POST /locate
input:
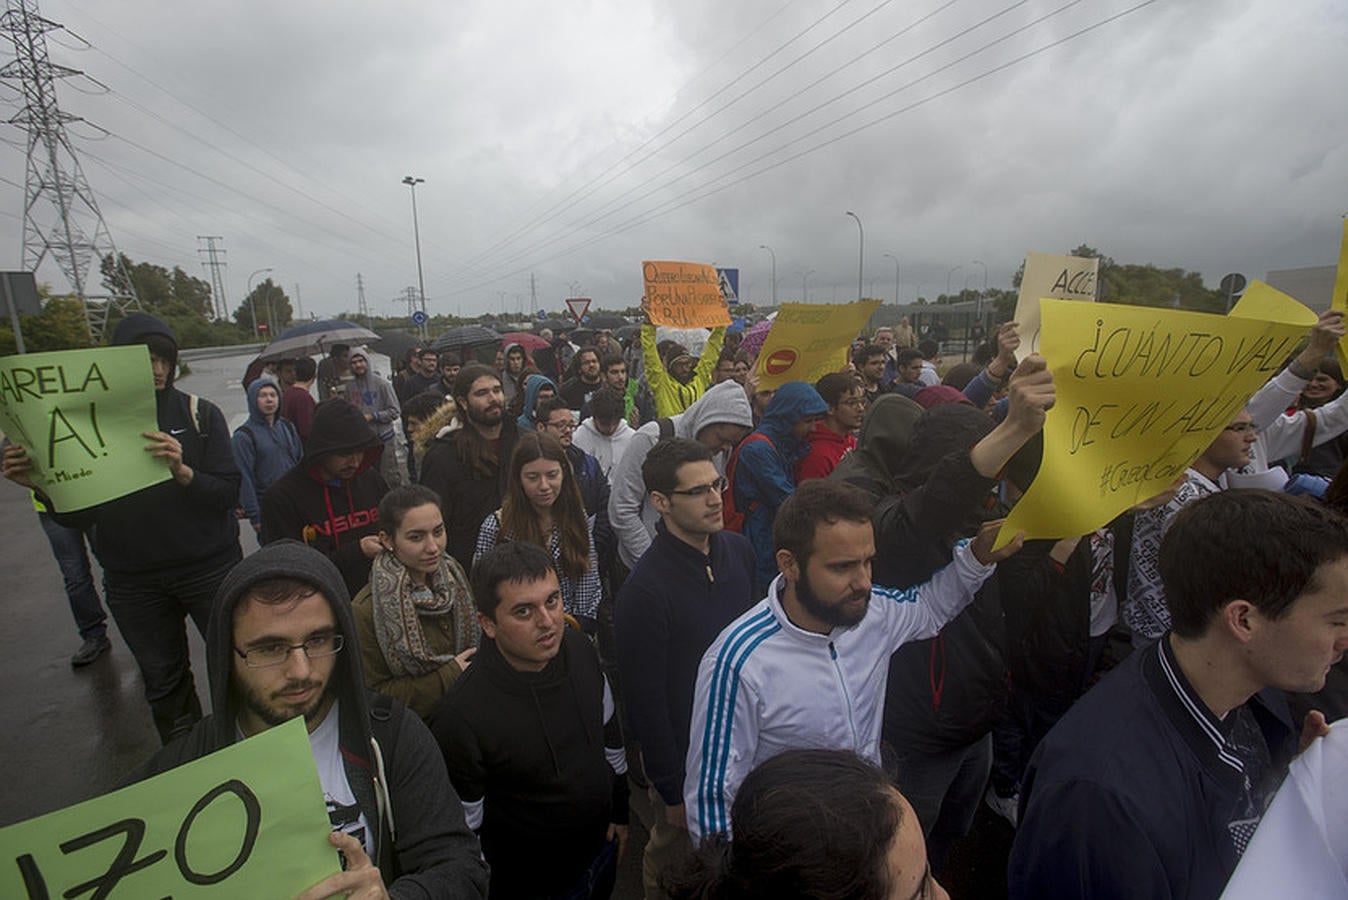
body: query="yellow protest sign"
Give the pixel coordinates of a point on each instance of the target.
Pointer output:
(1051, 275)
(246, 821)
(1340, 298)
(684, 295)
(1141, 392)
(809, 340)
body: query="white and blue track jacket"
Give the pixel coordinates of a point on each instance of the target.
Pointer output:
(765, 686)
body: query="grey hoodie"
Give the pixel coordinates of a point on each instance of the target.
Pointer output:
(632, 517)
(422, 845)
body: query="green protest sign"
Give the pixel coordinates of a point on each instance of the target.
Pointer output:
(246, 821)
(81, 415)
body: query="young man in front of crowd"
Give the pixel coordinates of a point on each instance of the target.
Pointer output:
(834, 436)
(282, 645)
(693, 581)
(531, 738)
(578, 390)
(1154, 782)
(605, 434)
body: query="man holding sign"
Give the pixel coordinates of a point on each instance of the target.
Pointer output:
(282, 645)
(164, 549)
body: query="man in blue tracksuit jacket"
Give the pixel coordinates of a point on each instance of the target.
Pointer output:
(765, 469)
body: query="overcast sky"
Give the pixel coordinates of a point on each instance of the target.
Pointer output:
(573, 140)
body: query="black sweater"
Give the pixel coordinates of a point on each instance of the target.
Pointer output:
(671, 608)
(532, 747)
(467, 496)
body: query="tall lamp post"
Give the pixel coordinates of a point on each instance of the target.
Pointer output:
(979, 262)
(774, 271)
(861, 251)
(252, 307)
(805, 285)
(416, 234)
(947, 278)
(896, 277)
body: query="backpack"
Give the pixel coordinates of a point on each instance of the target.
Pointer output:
(730, 515)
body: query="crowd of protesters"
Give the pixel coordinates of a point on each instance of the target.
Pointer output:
(522, 590)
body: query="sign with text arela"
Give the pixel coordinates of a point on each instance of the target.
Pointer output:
(809, 340)
(246, 821)
(684, 295)
(81, 415)
(1052, 275)
(1141, 392)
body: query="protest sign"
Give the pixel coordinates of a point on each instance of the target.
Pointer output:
(809, 340)
(1051, 275)
(684, 295)
(81, 415)
(1141, 392)
(1340, 298)
(246, 821)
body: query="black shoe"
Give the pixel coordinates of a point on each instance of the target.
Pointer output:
(91, 650)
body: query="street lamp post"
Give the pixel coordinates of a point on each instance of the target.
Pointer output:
(861, 251)
(947, 278)
(416, 234)
(252, 307)
(896, 277)
(805, 285)
(774, 271)
(979, 262)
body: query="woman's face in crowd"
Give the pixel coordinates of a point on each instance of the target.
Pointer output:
(542, 481)
(419, 541)
(1321, 388)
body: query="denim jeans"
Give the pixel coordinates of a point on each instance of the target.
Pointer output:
(945, 789)
(67, 545)
(151, 612)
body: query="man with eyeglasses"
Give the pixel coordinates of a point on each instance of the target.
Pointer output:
(834, 436)
(1145, 609)
(281, 645)
(693, 581)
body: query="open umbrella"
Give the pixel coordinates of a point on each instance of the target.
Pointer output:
(309, 338)
(526, 339)
(466, 336)
(395, 344)
(609, 322)
(756, 335)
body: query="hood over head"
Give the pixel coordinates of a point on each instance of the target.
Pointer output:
(942, 430)
(253, 415)
(285, 559)
(720, 404)
(791, 402)
(886, 434)
(338, 427)
(143, 328)
(532, 385)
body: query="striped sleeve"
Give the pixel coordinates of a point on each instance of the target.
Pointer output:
(920, 612)
(724, 732)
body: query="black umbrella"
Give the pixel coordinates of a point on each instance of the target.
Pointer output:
(466, 336)
(315, 337)
(395, 344)
(609, 322)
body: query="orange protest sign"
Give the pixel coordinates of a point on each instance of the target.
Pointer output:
(684, 295)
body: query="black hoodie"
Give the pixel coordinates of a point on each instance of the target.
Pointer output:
(168, 528)
(532, 747)
(330, 516)
(391, 760)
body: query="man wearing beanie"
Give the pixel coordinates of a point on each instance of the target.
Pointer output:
(330, 501)
(281, 645)
(165, 549)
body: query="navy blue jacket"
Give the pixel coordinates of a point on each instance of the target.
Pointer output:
(1131, 795)
(672, 606)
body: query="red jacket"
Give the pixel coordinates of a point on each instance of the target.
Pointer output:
(827, 447)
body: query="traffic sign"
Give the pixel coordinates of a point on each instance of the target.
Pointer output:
(578, 306)
(730, 284)
(418, 318)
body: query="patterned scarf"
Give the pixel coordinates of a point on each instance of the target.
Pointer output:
(399, 605)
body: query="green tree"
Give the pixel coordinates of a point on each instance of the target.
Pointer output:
(269, 303)
(191, 292)
(60, 326)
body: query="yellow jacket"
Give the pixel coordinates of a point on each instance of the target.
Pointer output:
(671, 395)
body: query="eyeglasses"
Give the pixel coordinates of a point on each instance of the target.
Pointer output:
(267, 655)
(853, 401)
(1242, 428)
(701, 490)
(568, 425)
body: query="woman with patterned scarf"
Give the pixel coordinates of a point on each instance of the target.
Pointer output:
(416, 620)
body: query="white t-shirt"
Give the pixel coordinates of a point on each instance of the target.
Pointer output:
(343, 811)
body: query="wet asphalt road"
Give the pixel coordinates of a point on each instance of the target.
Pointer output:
(72, 734)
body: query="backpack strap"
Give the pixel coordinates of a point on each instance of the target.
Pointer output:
(194, 409)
